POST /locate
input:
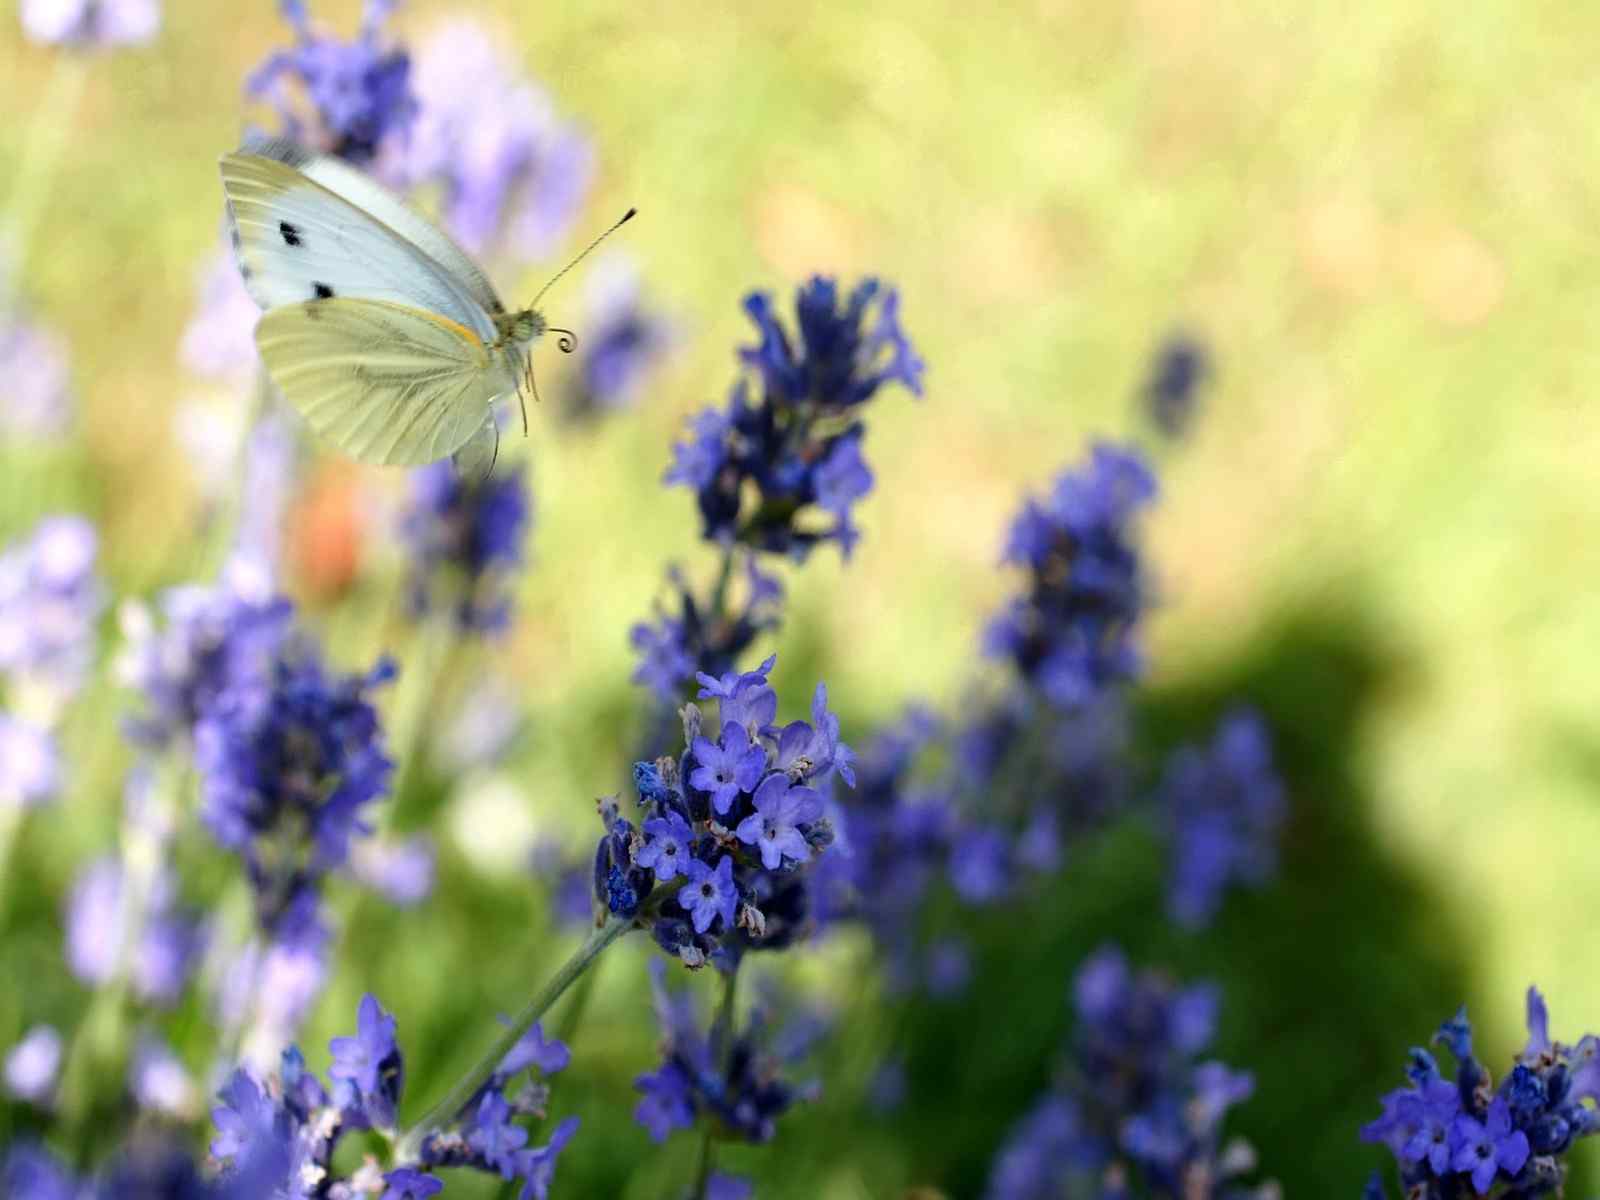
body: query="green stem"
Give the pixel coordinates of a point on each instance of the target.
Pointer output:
(573, 1017)
(721, 1046)
(719, 594)
(10, 827)
(419, 678)
(41, 152)
(444, 1113)
(703, 1164)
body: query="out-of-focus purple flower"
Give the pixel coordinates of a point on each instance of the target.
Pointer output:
(31, 1066)
(730, 1077)
(96, 922)
(36, 395)
(949, 968)
(759, 466)
(410, 1184)
(728, 1187)
(345, 98)
(216, 641)
(401, 871)
(159, 1083)
(1071, 633)
(287, 770)
(1225, 806)
(979, 865)
(269, 984)
(30, 1172)
(1136, 1107)
(465, 539)
(1179, 369)
(91, 23)
(513, 173)
(50, 599)
(622, 342)
(30, 765)
(219, 341)
(697, 637)
(100, 915)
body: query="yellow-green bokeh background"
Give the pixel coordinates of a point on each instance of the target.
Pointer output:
(1379, 216)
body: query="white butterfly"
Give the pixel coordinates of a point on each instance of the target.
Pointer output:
(378, 327)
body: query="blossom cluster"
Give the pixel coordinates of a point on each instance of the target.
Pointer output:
(1510, 1139)
(50, 601)
(764, 462)
(728, 1077)
(1136, 1113)
(766, 465)
(346, 98)
(1225, 806)
(1070, 633)
(278, 1136)
(465, 540)
(728, 828)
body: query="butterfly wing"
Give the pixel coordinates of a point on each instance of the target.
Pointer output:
(297, 239)
(385, 383)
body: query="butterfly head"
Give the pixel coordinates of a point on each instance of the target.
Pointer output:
(520, 328)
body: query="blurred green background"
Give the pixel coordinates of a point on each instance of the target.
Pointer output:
(1379, 218)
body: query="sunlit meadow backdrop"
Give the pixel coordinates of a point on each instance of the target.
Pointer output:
(1378, 222)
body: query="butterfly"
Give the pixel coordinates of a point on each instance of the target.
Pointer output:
(377, 327)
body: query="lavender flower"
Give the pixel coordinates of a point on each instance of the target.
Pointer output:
(370, 1063)
(38, 394)
(30, 1172)
(50, 599)
(158, 1081)
(758, 467)
(704, 635)
(288, 763)
(31, 1065)
(1071, 632)
(1135, 1107)
(401, 871)
(346, 98)
(1225, 806)
(1179, 369)
(739, 815)
(622, 341)
(101, 916)
(465, 540)
(91, 23)
(30, 765)
(219, 343)
(285, 1132)
(727, 1077)
(513, 174)
(1508, 1140)
(217, 642)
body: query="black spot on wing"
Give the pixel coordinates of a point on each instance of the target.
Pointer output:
(291, 235)
(321, 291)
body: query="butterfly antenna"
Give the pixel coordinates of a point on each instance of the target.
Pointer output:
(626, 217)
